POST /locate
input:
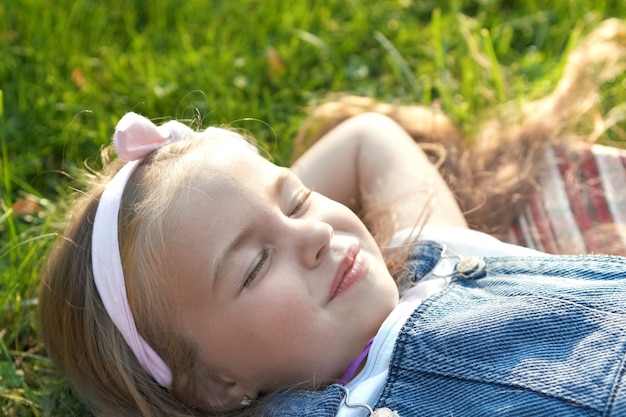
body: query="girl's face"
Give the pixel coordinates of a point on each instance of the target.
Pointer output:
(278, 286)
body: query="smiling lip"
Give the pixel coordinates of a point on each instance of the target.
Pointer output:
(352, 269)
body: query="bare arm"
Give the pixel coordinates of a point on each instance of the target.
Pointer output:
(369, 162)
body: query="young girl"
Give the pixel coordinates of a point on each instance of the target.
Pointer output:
(200, 279)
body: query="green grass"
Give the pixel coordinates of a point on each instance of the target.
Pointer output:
(70, 69)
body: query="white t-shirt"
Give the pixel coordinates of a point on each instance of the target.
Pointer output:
(459, 243)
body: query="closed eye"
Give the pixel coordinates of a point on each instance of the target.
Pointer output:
(257, 268)
(302, 199)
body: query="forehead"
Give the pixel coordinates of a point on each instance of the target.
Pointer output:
(217, 181)
(223, 151)
(222, 161)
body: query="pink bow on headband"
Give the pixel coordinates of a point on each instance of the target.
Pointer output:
(136, 137)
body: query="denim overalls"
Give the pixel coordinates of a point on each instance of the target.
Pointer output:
(520, 336)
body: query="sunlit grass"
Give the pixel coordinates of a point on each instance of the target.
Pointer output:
(70, 69)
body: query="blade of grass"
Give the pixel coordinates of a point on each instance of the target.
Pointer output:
(400, 62)
(442, 77)
(496, 74)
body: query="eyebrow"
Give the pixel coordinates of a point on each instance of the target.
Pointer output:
(245, 233)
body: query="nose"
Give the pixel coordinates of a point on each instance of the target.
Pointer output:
(312, 239)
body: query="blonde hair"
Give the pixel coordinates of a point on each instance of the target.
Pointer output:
(491, 179)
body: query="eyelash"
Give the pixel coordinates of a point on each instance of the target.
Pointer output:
(257, 268)
(302, 198)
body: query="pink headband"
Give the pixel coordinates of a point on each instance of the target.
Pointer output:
(135, 138)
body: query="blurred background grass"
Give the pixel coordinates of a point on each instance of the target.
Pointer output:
(70, 68)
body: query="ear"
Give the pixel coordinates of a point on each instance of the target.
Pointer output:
(230, 393)
(210, 391)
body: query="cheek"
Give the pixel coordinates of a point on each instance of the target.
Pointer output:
(253, 335)
(273, 332)
(275, 306)
(286, 319)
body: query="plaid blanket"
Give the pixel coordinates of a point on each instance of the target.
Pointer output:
(580, 205)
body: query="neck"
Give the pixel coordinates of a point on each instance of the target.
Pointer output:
(356, 365)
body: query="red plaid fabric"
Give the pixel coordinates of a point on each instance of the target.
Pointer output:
(581, 204)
